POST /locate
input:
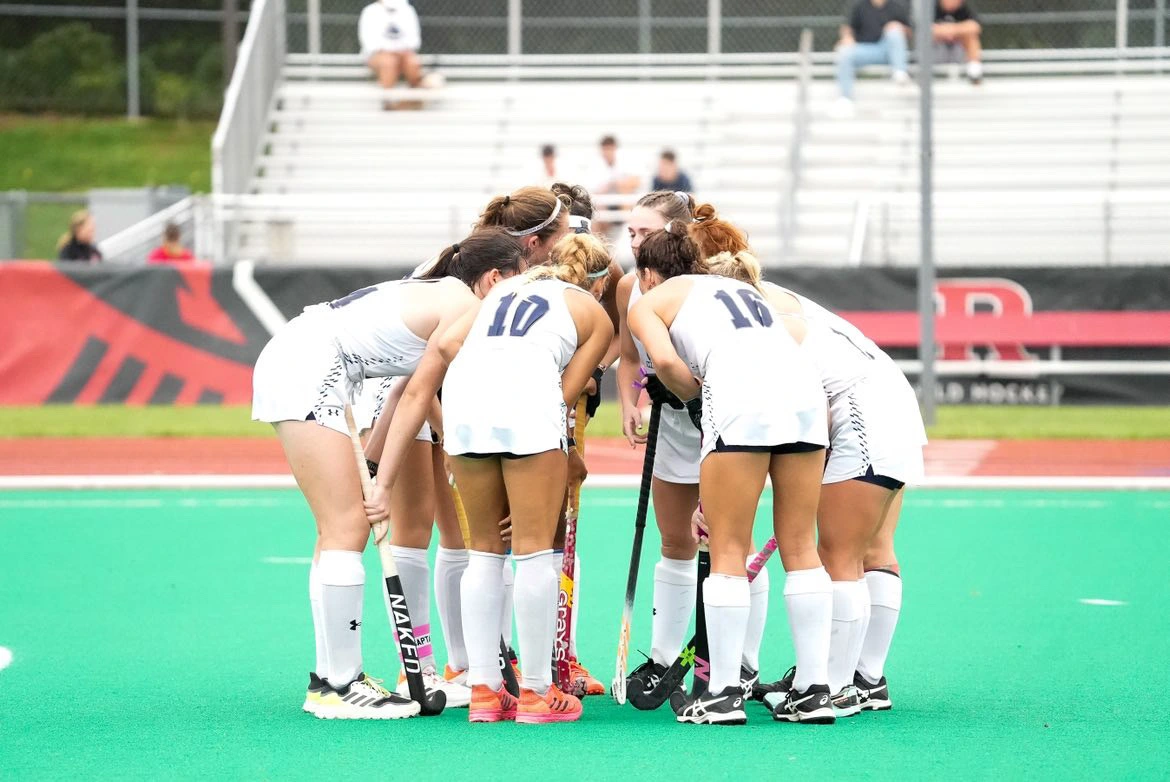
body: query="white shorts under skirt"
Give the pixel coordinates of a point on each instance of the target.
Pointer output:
(876, 429)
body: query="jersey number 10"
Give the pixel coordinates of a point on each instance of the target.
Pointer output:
(528, 311)
(755, 305)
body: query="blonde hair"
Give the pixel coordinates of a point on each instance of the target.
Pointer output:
(578, 259)
(76, 220)
(742, 266)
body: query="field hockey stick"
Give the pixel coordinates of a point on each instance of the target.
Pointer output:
(506, 669)
(677, 671)
(565, 598)
(618, 686)
(430, 703)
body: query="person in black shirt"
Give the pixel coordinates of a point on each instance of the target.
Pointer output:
(956, 26)
(670, 176)
(875, 33)
(78, 244)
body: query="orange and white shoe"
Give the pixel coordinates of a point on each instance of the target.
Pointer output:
(488, 705)
(553, 706)
(578, 672)
(452, 675)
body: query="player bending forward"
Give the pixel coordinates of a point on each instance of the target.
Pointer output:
(760, 418)
(303, 379)
(875, 449)
(516, 365)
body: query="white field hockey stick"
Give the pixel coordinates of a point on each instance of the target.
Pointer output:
(430, 703)
(618, 687)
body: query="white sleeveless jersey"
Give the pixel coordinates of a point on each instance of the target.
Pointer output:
(525, 318)
(368, 328)
(842, 354)
(759, 387)
(635, 294)
(722, 312)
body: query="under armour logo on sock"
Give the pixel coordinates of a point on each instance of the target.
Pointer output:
(354, 624)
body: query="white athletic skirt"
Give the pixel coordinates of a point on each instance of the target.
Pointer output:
(372, 399)
(752, 402)
(498, 401)
(299, 376)
(876, 424)
(676, 458)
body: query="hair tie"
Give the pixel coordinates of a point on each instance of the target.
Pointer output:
(507, 200)
(538, 228)
(681, 196)
(455, 248)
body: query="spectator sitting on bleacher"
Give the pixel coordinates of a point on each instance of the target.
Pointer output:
(78, 244)
(172, 249)
(611, 175)
(670, 176)
(956, 27)
(390, 40)
(548, 166)
(874, 33)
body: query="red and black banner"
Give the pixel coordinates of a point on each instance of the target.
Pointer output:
(163, 335)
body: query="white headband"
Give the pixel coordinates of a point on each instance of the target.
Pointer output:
(538, 228)
(579, 224)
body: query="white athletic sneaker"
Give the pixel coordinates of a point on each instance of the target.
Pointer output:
(363, 699)
(458, 694)
(975, 71)
(900, 77)
(842, 108)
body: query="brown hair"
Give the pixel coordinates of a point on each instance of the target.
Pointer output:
(171, 233)
(670, 252)
(671, 204)
(524, 210)
(575, 258)
(483, 250)
(580, 202)
(714, 235)
(742, 266)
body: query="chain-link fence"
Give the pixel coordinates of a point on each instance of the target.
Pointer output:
(57, 55)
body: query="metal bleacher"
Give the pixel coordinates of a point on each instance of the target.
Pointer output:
(1059, 157)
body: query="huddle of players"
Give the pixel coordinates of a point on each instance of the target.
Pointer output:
(513, 325)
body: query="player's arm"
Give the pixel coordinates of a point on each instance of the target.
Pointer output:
(628, 385)
(594, 334)
(648, 321)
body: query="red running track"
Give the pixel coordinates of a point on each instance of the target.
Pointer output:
(171, 456)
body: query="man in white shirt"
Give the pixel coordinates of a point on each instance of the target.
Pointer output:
(390, 40)
(611, 175)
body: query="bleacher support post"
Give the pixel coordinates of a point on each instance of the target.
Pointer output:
(926, 343)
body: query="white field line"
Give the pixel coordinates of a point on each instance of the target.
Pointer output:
(5, 657)
(1097, 601)
(596, 481)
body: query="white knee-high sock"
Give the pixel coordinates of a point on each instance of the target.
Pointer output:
(675, 583)
(808, 594)
(885, 600)
(728, 602)
(866, 614)
(343, 580)
(536, 616)
(322, 659)
(757, 618)
(558, 568)
(482, 593)
(507, 608)
(415, 574)
(848, 628)
(449, 566)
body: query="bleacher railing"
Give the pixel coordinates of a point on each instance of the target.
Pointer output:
(249, 97)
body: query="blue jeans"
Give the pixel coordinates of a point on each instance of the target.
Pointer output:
(891, 49)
